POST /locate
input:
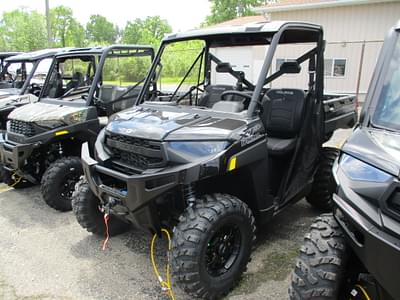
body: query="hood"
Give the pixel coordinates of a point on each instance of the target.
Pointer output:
(184, 124)
(42, 111)
(4, 93)
(17, 100)
(379, 148)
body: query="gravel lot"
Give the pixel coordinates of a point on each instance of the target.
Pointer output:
(46, 255)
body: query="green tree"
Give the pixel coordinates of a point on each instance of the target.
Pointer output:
(223, 10)
(100, 31)
(148, 31)
(65, 28)
(22, 30)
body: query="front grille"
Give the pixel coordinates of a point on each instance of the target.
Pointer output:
(137, 153)
(21, 127)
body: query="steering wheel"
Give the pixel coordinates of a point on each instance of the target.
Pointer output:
(236, 93)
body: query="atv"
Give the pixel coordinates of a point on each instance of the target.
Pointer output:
(354, 253)
(218, 150)
(22, 77)
(83, 88)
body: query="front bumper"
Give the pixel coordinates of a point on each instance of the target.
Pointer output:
(135, 197)
(378, 250)
(14, 156)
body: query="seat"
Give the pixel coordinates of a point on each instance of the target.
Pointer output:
(282, 118)
(212, 94)
(76, 81)
(115, 98)
(56, 87)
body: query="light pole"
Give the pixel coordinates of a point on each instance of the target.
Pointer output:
(48, 22)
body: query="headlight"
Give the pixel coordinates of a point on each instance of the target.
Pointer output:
(357, 170)
(185, 151)
(76, 117)
(50, 123)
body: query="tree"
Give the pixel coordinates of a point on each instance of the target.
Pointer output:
(100, 31)
(65, 28)
(148, 31)
(223, 10)
(22, 30)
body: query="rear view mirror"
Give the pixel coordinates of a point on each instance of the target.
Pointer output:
(224, 67)
(290, 67)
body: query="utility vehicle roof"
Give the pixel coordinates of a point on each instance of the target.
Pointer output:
(251, 31)
(100, 50)
(8, 54)
(35, 55)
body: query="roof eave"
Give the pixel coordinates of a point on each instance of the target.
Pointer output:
(266, 9)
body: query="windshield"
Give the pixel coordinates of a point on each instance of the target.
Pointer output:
(387, 113)
(14, 74)
(70, 75)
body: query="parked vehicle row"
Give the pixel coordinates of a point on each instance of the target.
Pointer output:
(209, 156)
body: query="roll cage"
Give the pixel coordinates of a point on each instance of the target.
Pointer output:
(264, 33)
(99, 56)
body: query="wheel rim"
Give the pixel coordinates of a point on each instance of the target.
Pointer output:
(68, 185)
(223, 250)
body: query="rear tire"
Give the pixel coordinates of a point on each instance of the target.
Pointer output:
(59, 180)
(321, 268)
(324, 184)
(211, 246)
(85, 206)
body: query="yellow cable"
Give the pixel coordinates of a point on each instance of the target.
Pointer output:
(165, 285)
(16, 181)
(363, 291)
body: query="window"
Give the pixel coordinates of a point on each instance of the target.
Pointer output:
(335, 67)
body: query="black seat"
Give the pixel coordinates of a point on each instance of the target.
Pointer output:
(76, 81)
(212, 94)
(282, 117)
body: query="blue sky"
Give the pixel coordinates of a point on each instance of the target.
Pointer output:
(181, 14)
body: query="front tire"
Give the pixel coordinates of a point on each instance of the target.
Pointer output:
(321, 268)
(59, 180)
(86, 207)
(324, 184)
(211, 245)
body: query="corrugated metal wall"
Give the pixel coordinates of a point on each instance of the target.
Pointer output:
(346, 28)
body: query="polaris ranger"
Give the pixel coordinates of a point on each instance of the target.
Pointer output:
(355, 253)
(83, 87)
(224, 146)
(22, 78)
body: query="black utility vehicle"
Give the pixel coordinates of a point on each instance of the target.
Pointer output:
(355, 253)
(217, 150)
(43, 140)
(21, 79)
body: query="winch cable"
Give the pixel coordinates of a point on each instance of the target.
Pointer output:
(166, 285)
(16, 181)
(106, 219)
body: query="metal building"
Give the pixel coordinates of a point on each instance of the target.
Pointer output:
(354, 32)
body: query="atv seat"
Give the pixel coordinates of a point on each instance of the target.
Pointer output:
(108, 94)
(212, 94)
(282, 115)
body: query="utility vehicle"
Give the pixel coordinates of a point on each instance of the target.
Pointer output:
(355, 253)
(83, 87)
(224, 146)
(22, 77)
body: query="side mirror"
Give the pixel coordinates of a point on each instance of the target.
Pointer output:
(224, 67)
(290, 67)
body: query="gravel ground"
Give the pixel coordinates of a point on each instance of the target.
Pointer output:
(46, 255)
